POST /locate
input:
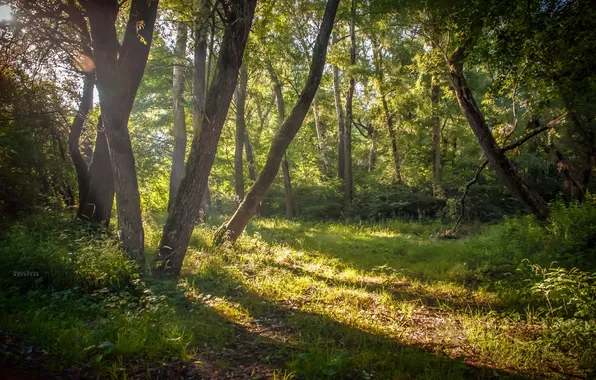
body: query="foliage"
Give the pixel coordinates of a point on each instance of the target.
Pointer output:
(49, 251)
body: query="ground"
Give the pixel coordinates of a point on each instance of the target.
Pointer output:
(301, 300)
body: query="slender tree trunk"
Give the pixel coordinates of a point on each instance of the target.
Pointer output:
(281, 113)
(285, 134)
(341, 160)
(372, 156)
(96, 204)
(179, 153)
(120, 69)
(348, 184)
(320, 138)
(250, 157)
(393, 138)
(240, 132)
(74, 137)
(186, 208)
(200, 77)
(288, 187)
(380, 82)
(436, 134)
(497, 158)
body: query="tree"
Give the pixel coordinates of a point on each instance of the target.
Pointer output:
(341, 124)
(436, 134)
(285, 166)
(348, 182)
(240, 133)
(247, 209)
(120, 69)
(179, 153)
(496, 157)
(186, 207)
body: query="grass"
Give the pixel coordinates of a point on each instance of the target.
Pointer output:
(300, 300)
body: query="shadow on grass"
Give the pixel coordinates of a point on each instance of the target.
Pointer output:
(274, 335)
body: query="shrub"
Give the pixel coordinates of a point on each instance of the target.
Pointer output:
(52, 251)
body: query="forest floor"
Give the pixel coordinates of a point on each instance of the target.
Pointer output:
(296, 300)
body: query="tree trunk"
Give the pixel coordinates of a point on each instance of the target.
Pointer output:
(320, 139)
(436, 134)
(120, 69)
(348, 184)
(250, 157)
(497, 158)
(179, 153)
(281, 114)
(74, 137)
(288, 188)
(240, 132)
(186, 208)
(200, 77)
(285, 134)
(340, 120)
(96, 204)
(200, 61)
(372, 156)
(380, 82)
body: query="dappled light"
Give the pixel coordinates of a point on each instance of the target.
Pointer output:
(297, 190)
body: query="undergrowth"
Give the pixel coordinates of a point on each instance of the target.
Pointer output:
(315, 300)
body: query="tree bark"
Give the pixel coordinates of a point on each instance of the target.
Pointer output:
(497, 158)
(320, 139)
(372, 156)
(179, 153)
(240, 132)
(348, 184)
(340, 119)
(186, 208)
(74, 137)
(289, 196)
(250, 157)
(281, 113)
(285, 134)
(120, 70)
(200, 62)
(96, 204)
(436, 135)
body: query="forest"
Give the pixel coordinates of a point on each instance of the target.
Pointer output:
(297, 189)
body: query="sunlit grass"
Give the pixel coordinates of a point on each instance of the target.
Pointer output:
(308, 300)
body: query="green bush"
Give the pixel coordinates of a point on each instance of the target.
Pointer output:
(46, 250)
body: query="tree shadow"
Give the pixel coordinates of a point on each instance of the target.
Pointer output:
(278, 335)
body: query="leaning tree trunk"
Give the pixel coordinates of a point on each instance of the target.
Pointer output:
(120, 69)
(436, 134)
(240, 132)
(348, 184)
(186, 207)
(281, 114)
(340, 120)
(497, 158)
(320, 138)
(178, 110)
(284, 136)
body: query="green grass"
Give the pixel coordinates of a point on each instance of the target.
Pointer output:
(301, 300)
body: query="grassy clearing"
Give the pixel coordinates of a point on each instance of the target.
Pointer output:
(301, 300)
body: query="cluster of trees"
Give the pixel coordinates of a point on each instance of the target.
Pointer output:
(393, 101)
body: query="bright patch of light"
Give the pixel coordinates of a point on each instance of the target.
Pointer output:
(5, 13)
